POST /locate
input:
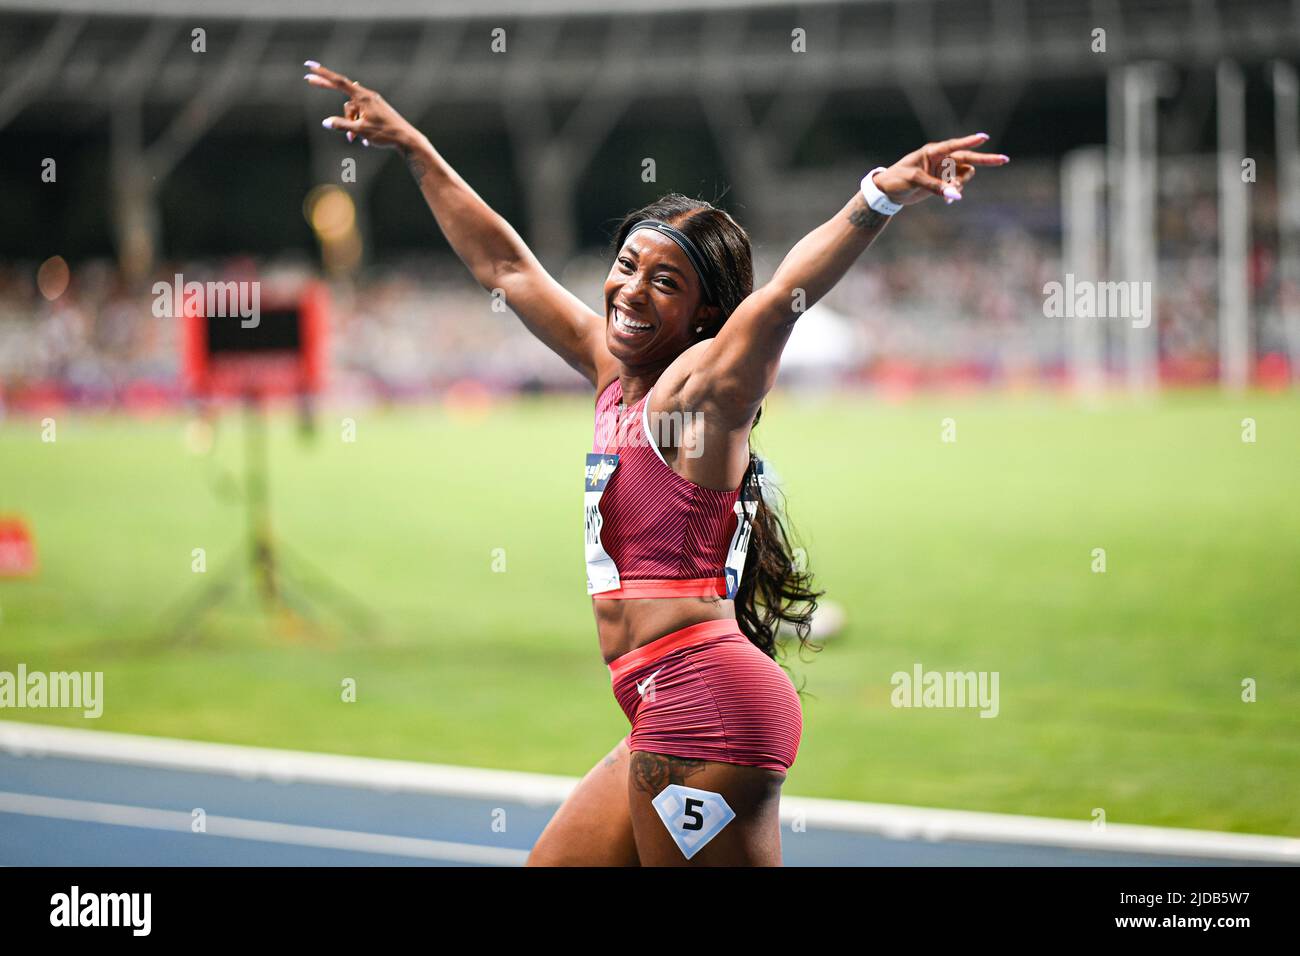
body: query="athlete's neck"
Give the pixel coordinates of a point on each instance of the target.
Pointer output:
(636, 382)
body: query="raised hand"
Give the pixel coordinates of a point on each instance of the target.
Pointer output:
(367, 116)
(939, 169)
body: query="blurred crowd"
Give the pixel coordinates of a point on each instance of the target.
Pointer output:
(924, 306)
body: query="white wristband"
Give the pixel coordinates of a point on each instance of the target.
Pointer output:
(875, 198)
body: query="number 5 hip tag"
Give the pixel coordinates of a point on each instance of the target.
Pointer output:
(693, 817)
(602, 575)
(746, 506)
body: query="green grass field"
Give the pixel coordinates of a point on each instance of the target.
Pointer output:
(1119, 690)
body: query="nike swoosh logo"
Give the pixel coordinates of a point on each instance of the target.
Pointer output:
(642, 685)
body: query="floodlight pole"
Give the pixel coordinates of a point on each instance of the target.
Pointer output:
(1132, 93)
(1235, 346)
(1083, 185)
(1286, 100)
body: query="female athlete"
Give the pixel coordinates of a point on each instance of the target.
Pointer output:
(681, 359)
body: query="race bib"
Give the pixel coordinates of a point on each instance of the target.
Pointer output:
(746, 506)
(602, 575)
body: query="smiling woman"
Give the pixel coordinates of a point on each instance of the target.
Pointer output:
(686, 616)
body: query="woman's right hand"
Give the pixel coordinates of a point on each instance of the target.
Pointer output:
(367, 116)
(939, 169)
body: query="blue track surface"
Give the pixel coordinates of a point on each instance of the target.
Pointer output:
(29, 836)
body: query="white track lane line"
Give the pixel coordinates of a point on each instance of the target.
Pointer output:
(178, 821)
(386, 776)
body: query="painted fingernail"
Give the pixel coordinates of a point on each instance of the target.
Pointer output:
(951, 194)
(349, 136)
(328, 122)
(985, 135)
(365, 142)
(1006, 159)
(311, 63)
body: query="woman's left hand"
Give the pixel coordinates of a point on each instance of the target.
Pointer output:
(939, 169)
(367, 116)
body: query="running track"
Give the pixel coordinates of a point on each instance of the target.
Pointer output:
(84, 798)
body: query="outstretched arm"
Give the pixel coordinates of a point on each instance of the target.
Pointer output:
(741, 365)
(489, 246)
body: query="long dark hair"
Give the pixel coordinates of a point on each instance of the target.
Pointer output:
(776, 587)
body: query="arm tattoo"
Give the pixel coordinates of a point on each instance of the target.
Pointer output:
(652, 772)
(416, 165)
(864, 217)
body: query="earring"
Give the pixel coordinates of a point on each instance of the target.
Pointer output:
(699, 328)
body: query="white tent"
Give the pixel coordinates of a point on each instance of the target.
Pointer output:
(823, 345)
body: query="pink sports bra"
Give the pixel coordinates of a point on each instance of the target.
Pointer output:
(650, 532)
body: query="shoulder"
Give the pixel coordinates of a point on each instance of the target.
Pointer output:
(607, 369)
(604, 392)
(672, 385)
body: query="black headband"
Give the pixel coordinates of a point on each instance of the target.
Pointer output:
(688, 247)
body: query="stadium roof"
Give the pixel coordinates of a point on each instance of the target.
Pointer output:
(389, 9)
